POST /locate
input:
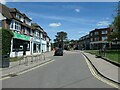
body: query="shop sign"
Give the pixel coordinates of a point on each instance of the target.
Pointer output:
(20, 36)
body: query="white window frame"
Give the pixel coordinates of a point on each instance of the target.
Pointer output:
(104, 38)
(104, 32)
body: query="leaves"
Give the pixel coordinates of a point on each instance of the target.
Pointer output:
(6, 40)
(60, 38)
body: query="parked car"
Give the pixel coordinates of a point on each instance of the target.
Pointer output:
(58, 52)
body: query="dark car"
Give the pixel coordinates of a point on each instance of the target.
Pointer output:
(58, 52)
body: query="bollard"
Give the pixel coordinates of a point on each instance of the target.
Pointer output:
(44, 57)
(20, 62)
(32, 59)
(26, 61)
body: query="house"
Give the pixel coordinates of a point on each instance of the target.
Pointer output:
(99, 38)
(28, 36)
(84, 42)
(38, 33)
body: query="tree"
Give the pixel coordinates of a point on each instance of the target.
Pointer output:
(61, 37)
(116, 25)
(6, 40)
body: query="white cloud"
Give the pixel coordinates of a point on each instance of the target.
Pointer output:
(55, 24)
(3, 1)
(77, 10)
(107, 18)
(68, 19)
(103, 23)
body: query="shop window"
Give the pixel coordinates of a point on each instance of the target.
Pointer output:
(34, 48)
(18, 45)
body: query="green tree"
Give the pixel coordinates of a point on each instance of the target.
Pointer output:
(61, 37)
(6, 40)
(116, 25)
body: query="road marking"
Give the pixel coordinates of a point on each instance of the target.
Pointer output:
(4, 78)
(98, 77)
(29, 69)
(35, 67)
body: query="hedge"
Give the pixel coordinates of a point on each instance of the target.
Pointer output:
(6, 40)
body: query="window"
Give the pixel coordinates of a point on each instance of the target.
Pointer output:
(96, 33)
(104, 32)
(96, 38)
(104, 38)
(31, 32)
(18, 16)
(11, 24)
(27, 21)
(25, 30)
(17, 26)
(18, 45)
(91, 39)
(91, 34)
(0, 23)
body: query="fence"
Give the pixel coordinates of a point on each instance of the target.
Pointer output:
(29, 59)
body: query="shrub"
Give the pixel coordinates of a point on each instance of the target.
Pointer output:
(6, 40)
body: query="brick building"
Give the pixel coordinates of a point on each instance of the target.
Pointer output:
(100, 38)
(26, 37)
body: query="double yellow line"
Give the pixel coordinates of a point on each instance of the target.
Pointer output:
(94, 73)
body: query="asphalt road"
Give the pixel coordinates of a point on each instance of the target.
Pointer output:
(68, 71)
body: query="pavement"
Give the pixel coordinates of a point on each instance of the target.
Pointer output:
(104, 68)
(20, 66)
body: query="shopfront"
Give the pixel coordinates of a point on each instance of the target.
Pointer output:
(20, 45)
(36, 45)
(43, 45)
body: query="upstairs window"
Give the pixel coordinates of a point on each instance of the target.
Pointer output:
(0, 23)
(96, 33)
(91, 34)
(27, 21)
(91, 39)
(18, 16)
(11, 24)
(104, 32)
(96, 38)
(104, 38)
(17, 26)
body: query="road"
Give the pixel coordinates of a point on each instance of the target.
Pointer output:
(68, 71)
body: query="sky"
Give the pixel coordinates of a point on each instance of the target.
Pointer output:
(75, 18)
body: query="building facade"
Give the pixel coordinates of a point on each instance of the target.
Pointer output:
(84, 42)
(99, 38)
(28, 36)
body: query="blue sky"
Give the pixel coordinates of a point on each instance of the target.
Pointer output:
(77, 18)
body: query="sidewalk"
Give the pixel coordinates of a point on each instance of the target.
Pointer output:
(105, 68)
(16, 67)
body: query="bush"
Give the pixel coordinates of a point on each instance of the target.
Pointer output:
(6, 40)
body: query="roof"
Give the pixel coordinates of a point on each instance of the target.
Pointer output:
(36, 26)
(26, 25)
(24, 15)
(100, 29)
(5, 11)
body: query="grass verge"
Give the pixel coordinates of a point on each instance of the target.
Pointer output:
(14, 59)
(112, 55)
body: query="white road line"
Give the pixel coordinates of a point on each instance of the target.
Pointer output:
(35, 67)
(98, 77)
(29, 69)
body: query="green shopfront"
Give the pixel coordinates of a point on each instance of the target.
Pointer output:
(18, 45)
